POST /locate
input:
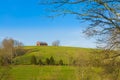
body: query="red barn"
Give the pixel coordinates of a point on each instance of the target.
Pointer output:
(41, 43)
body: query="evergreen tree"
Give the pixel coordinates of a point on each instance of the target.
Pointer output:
(52, 61)
(40, 62)
(47, 61)
(61, 62)
(33, 60)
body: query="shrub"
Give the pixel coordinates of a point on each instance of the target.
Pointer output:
(19, 52)
(61, 62)
(40, 62)
(33, 60)
(47, 61)
(52, 61)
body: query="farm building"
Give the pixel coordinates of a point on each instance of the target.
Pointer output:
(41, 43)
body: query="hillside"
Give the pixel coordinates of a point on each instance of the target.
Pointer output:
(67, 54)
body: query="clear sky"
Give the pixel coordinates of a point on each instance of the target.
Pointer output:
(27, 21)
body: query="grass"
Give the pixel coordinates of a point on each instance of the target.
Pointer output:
(47, 72)
(67, 54)
(32, 72)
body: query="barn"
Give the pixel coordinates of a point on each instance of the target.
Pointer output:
(38, 43)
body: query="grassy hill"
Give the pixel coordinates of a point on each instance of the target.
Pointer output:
(57, 72)
(67, 54)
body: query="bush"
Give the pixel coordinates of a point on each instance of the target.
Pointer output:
(19, 52)
(33, 60)
(61, 62)
(47, 61)
(40, 62)
(52, 61)
(4, 61)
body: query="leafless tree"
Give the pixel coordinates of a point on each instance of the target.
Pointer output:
(9, 50)
(103, 17)
(56, 43)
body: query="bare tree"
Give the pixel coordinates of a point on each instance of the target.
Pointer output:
(103, 17)
(56, 43)
(9, 50)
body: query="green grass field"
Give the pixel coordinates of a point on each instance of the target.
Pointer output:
(33, 72)
(25, 71)
(67, 54)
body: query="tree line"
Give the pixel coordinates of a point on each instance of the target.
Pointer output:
(48, 61)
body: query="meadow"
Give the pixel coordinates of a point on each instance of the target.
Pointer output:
(67, 54)
(22, 69)
(32, 72)
(35, 72)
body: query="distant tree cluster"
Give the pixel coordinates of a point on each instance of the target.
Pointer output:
(56, 43)
(9, 49)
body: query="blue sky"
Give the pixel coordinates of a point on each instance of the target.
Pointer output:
(27, 21)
